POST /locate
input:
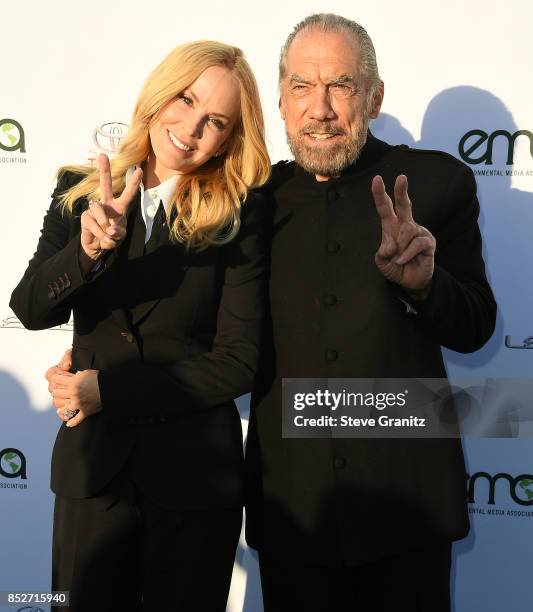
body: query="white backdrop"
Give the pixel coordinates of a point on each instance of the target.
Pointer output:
(68, 67)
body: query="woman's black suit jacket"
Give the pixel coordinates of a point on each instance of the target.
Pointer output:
(175, 336)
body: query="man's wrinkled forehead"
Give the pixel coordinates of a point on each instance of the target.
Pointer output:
(325, 56)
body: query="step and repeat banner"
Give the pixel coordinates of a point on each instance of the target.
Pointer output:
(456, 79)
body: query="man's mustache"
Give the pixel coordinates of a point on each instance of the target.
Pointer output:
(321, 128)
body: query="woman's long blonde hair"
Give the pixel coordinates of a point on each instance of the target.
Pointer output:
(207, 200)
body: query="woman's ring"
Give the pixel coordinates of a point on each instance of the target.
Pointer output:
(68, 414)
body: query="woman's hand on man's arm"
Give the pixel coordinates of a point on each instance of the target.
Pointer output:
(73, 393)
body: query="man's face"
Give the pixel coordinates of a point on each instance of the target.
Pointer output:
(324, 102)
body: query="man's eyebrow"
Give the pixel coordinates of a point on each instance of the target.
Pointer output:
(344, 79)
(296, 78)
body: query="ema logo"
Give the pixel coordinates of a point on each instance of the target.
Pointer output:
(476, 146)
(520, 487)
(12, 463)
(12, 136)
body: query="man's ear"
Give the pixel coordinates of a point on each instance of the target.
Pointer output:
(377, 100)
(281, 106)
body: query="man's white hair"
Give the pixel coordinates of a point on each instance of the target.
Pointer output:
(329, 22)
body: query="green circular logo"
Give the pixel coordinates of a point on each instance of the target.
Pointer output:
(525, 489)
(11, 136)
(12, 463)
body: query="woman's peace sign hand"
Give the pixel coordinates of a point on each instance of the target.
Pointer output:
(103, 224)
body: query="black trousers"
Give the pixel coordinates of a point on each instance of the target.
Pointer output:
(418, 581)
(120, 551)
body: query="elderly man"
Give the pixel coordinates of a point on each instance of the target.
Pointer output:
(360, 286)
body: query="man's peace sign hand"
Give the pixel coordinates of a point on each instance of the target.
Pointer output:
(103, 224)
(406, 253)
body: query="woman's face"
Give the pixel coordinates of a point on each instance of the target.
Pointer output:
(196, 125)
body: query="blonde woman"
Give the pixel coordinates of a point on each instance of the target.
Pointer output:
(160, 257)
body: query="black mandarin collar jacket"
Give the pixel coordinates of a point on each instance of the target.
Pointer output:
(333, 315)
